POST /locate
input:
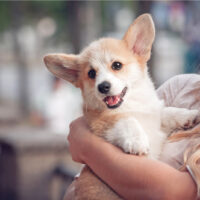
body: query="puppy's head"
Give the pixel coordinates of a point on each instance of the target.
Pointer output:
(108, 68)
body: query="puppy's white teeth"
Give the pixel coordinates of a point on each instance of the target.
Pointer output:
(112, 100)
(115, 101)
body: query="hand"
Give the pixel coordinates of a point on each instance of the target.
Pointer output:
(82, 141)
(79, 137)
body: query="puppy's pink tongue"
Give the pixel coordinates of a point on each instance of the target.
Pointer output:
(112, 100)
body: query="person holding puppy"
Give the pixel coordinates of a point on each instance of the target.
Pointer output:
(113, 74)
(138, 177)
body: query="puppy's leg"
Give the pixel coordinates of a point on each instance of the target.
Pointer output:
(178, 118)
(130, 136)
(89, 187)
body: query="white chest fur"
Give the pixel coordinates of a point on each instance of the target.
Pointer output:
(140, 133)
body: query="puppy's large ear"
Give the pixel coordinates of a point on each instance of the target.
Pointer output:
(63, 66)
(140, 36)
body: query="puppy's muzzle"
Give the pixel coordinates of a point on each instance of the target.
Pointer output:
(104, 87)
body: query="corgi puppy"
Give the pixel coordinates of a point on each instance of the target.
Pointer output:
(120, 102)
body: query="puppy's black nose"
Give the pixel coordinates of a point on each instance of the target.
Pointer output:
(104, 87)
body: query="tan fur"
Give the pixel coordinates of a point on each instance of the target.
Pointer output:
(141, 61)
(119, 48)
(143, 50)
(98, 121)
(56, 63)
(94, 188)
(83, 76)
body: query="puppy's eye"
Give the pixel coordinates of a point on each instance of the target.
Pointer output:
(92, 74)
(116, 65)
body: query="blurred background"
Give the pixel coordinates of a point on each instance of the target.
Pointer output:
(36, 108)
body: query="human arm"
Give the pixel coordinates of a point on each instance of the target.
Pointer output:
(130, 176)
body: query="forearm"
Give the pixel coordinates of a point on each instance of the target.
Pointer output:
(136, 177)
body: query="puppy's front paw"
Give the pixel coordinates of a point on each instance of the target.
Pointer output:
(197, 119)
(193, 120)
(136, 146)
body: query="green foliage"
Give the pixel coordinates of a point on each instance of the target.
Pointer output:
(4, 15)
(30, 11)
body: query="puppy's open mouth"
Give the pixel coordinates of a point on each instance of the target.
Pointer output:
(115, 101)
